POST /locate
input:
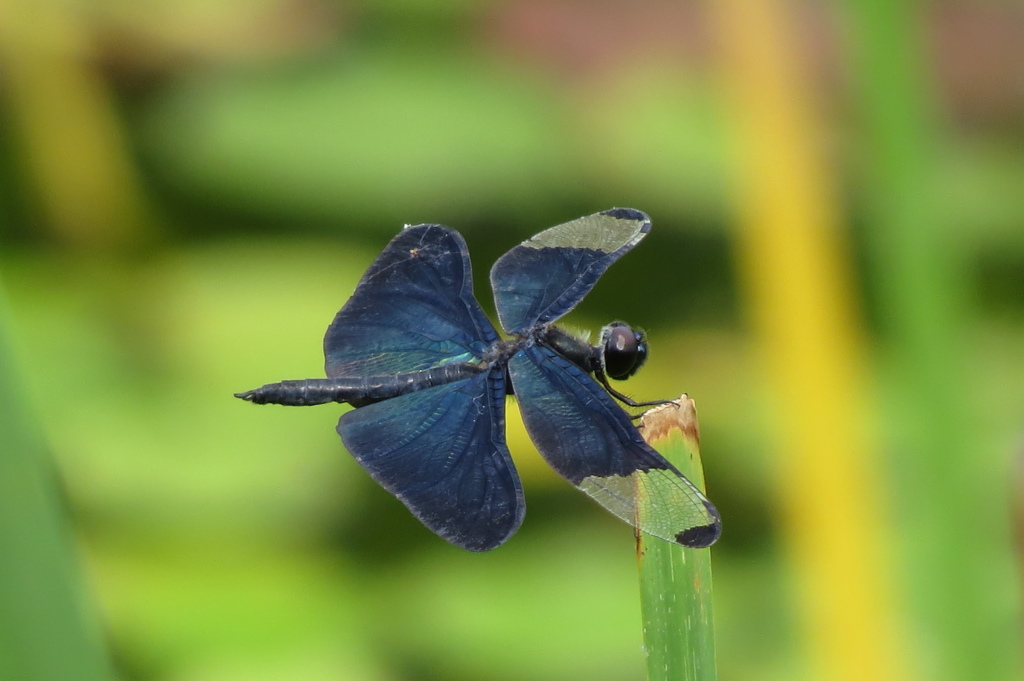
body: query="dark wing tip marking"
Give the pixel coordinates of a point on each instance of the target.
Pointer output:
(629, 214)
(700, 537)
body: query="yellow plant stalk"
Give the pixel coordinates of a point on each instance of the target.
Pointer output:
(68, 132)
(798, 285)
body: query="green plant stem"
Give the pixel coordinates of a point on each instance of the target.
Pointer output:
(675, 581)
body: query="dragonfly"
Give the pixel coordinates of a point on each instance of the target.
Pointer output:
(427, 374)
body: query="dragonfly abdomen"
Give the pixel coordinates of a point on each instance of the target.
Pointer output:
(358, 391)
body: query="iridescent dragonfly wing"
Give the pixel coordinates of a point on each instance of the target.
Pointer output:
(544, 277)
(591, 442)
(442, 452)
(413, 309)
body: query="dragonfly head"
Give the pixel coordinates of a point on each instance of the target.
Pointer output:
(623, 350)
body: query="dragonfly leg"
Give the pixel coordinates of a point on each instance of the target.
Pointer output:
(625, 399)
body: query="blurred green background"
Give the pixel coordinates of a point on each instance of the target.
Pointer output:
(190, 190)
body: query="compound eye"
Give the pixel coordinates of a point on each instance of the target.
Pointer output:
(625, 350)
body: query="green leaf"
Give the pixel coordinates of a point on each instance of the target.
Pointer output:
(45, 632)
(675, 581)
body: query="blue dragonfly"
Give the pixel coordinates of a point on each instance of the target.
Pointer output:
(428, 375)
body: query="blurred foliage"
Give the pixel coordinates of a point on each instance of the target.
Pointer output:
(189, 192)
(365, 139)
(45, 632)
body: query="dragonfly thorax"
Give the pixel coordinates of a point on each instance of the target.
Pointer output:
(619, 353)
